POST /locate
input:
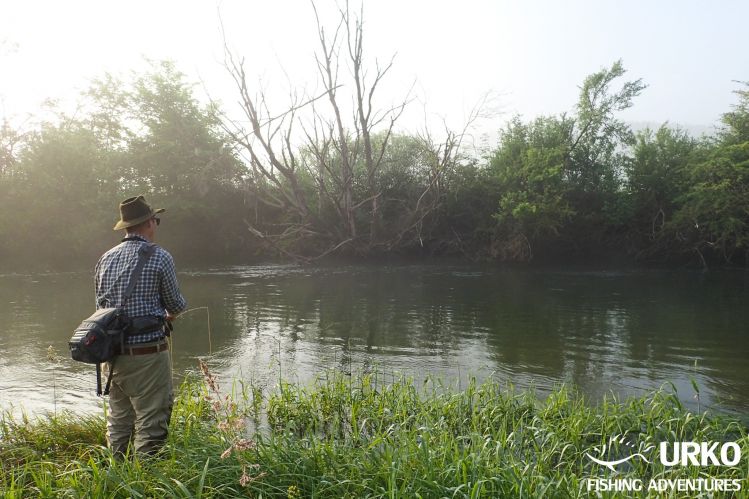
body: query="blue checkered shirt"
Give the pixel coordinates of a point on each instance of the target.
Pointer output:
(156, 293)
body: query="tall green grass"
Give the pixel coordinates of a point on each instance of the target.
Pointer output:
(366, 435)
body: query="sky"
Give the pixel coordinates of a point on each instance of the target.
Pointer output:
(528, 57)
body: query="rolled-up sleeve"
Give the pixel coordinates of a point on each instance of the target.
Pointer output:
(171, 298)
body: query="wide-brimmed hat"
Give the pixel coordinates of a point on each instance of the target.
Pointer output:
(133, 211)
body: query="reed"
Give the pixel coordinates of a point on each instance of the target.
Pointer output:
(366, 435)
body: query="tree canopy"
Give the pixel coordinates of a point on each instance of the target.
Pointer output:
(576, 186)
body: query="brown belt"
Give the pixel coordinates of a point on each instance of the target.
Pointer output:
(136, 350)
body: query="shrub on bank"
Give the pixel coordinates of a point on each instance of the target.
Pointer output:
(366, 435)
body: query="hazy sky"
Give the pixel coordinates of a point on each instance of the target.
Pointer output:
(531, 54)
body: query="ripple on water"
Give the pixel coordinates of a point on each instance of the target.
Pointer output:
(603, 330)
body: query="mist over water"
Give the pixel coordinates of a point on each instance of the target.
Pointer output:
(620, 332)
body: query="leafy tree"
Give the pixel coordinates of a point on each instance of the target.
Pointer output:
(10, 140)
(715, 214)
(148, 136)
(560, 177)
(658, 177)
(465, 226)
(713, 220)
(736, 122)
(595, 159)
(180, 156)
(178, 147)
(61, 194)
(529, 169)
(106, 112)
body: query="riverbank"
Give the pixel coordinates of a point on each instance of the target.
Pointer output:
(367, 435)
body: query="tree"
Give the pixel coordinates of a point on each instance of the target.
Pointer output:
(714, 217)
(715, 213)
(10, 140)
(658, 177)
(560, 177)
(146, 136)
(736, 122)
(317, 186)
(59, 193)
(533, 200)
(595, 159)
(180, 156)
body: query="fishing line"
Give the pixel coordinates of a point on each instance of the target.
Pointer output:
(210, 342)
(208, 314)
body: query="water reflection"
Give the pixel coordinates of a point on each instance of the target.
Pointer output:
(604, 331)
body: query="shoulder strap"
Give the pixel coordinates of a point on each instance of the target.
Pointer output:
(144, 253)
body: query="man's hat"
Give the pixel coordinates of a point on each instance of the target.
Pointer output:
(134, 211)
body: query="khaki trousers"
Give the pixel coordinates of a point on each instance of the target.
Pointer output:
(140, 402)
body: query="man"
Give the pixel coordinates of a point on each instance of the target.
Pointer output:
(141, 396)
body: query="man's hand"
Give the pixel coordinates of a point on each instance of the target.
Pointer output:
(170, 317)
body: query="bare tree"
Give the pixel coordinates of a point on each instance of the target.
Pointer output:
(328, 186)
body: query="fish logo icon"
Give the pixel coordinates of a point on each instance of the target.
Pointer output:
(614, 443)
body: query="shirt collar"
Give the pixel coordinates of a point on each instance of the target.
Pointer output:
(134, 237)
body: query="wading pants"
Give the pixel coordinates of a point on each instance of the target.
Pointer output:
(140, 402)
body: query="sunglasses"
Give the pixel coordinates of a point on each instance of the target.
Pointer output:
(158, 220)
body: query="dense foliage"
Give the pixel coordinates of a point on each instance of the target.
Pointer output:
(60, 183)
(579, 186)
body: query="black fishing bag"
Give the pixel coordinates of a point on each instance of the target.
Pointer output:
(100, 337)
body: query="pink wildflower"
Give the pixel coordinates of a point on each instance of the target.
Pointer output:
(245, 478)
(244, 444)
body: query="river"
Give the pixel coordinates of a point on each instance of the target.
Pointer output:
(622, 332)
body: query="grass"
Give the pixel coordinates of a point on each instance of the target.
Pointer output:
(366, 435)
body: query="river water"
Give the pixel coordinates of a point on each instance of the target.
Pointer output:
(621, 332)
